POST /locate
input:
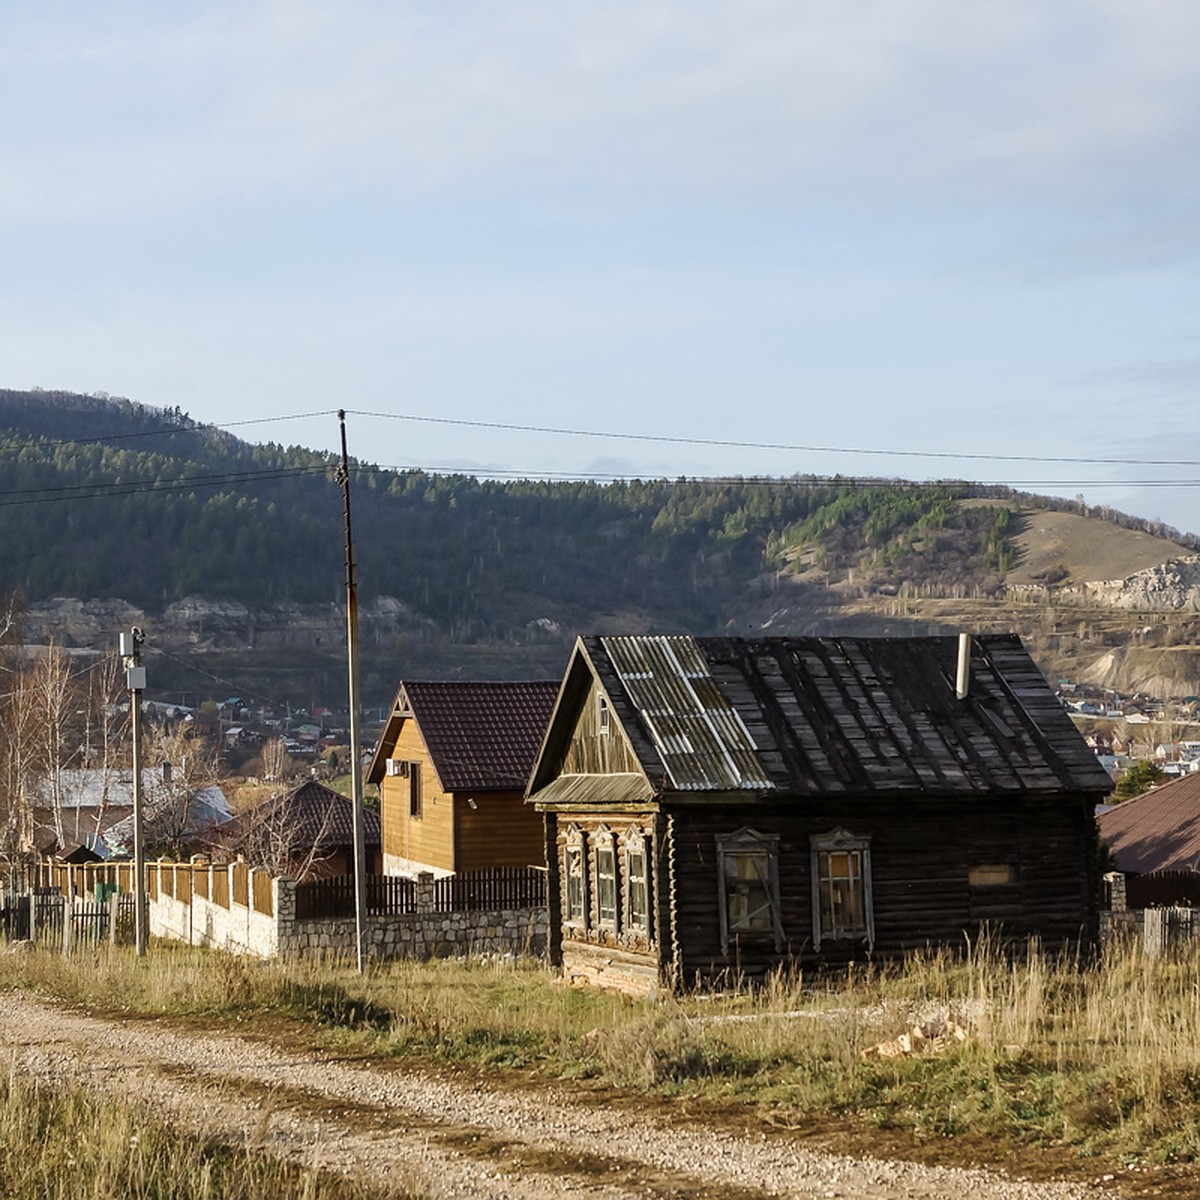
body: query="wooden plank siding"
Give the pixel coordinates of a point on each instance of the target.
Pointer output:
(428, 839)
(500, 831)
(593, 751)
(920, 881)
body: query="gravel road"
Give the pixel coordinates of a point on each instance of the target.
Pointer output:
(429, 1135)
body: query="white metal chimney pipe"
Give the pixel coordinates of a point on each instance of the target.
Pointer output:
(962, 683)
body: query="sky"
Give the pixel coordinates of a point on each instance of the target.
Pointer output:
(921, 239)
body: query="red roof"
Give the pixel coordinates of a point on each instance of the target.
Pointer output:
(1158, 830)
(481, 735)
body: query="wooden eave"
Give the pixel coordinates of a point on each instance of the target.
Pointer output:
(596, 791)
(388, 738)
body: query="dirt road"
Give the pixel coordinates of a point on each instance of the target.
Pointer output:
(430, 1134)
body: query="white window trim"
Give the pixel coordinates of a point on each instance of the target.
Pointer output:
(574, 843)
(602, 840)
(750, 841)
(842, 840)
(636, 842)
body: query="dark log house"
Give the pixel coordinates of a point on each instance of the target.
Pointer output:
(719, 807)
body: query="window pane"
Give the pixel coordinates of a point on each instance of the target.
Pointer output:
(842, 903)
(636, 883)
(414, 789)
(747, 893)
(606, 886)
(574, 874)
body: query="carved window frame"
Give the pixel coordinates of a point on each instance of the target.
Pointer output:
(635, 847)
(748, 888)
(842, 902)
(574, 871)
(606, 889)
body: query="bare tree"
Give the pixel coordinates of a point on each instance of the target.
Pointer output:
(55, 693)
(18, 756)
(181, 765)
(106, 744)
(281, 839)
(276, 762)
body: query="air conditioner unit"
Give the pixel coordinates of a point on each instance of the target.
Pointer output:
(396, 766)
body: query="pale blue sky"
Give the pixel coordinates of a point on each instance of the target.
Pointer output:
(921, 225)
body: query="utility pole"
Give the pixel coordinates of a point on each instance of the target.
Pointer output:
(356, 790)
(135, 678)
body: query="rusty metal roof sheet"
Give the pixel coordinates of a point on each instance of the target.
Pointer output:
(1158, 830)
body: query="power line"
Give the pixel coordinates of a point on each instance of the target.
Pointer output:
(674, 439)
(179, 662)
(663, 439)
(99, 491)
(134, 487)
(166, 430)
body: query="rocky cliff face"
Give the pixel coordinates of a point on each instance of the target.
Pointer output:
(200, 625)
(1172, 586)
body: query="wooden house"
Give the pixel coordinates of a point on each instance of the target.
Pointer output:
(307, 833)
(452, 764)
(722, 806)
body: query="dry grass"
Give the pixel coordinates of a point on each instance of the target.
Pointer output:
(1103, 1057)
(70, 1145)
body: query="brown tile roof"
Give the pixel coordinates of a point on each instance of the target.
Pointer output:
(310, 814)
(480, 735)
(1158, 830)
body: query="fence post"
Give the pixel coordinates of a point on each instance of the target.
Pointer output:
(423, 894)
(68, 906)
(114, 910)
(33, 914)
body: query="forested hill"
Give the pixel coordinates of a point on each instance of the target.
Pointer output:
(107, 498)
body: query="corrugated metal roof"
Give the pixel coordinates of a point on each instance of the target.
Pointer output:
(703, 743)
(1158, 830)
(853, 715)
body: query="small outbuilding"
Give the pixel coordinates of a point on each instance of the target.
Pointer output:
(1153, 840)
(716, 808)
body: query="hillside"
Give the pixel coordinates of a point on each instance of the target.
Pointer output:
(1069, 548)
(231, 554)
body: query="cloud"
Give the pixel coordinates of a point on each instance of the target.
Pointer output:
(883, 102)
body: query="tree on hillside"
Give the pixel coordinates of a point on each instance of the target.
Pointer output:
(1139, 778)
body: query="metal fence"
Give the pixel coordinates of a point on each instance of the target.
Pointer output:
(56, 922)
(490, 890)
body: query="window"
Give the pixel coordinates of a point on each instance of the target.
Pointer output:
(574, 880)
(637, 884)
(992, 875)
(606, 879)
(603, 714)
(748, 875)
(841, 883)
(414, 790)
